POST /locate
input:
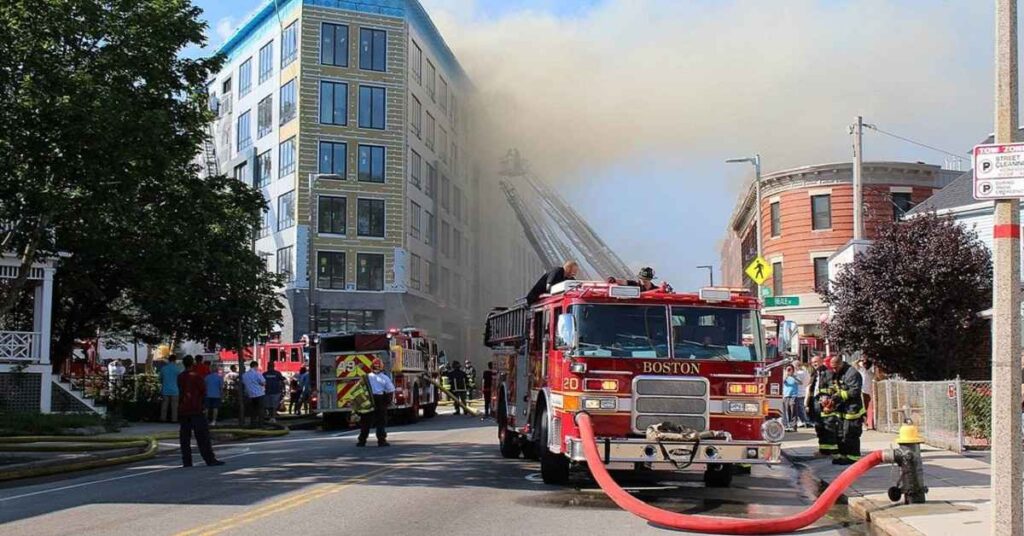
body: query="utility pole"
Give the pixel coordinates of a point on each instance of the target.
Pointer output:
(311, 267)
(1007, 504)
(756, 161)
(858, 180)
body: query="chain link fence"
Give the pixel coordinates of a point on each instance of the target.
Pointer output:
(955, 414)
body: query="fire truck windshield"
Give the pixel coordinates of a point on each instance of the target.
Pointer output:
(621, 330)
(715, 333)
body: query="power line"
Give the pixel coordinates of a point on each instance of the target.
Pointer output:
(915, 142)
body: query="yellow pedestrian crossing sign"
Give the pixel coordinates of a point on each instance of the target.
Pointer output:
(759, 270)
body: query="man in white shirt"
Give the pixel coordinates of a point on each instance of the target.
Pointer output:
(867, 376)
(804, 378)
(381, 388)
(255, 391)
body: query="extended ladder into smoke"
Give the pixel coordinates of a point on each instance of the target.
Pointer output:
(597, 259)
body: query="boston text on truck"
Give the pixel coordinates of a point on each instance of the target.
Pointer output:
(639, 363)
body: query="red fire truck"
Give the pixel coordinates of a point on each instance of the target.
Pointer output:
(409, 354)
(288, 357)
(632, 360)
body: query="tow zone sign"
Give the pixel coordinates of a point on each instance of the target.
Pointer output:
(999, 171)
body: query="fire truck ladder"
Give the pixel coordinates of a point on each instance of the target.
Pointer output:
(548, 246)
(593, 252)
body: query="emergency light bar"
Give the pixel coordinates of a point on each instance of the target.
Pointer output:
(715, 294)
(621, 291)
(568, 284)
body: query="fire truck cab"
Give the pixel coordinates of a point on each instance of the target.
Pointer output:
(631, 360)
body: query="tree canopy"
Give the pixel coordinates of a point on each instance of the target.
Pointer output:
(911, 302)
(102, 120)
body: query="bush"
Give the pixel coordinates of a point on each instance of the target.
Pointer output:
(12, 424)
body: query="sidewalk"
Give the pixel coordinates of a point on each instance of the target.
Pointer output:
(958, 495)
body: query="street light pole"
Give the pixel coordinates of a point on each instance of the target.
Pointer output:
(1007, 507)
(711, 274)
(756, 162)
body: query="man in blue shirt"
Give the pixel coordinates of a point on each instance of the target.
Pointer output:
(381, 387)
(304, 390)
(169, 389)
(214, 386)
(275, 390)
(790, 394)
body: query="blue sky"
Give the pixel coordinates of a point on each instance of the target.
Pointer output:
(630, 107)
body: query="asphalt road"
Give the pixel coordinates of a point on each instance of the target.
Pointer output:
(441, 476)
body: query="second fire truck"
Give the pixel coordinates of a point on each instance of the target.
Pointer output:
(632, 360)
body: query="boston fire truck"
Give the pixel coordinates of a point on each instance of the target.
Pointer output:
(689, 362)
(343, 360)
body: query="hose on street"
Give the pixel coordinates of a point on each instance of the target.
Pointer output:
(454, 398)
(712, 524)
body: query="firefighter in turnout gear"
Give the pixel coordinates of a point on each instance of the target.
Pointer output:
(819, 407)
(847, 401)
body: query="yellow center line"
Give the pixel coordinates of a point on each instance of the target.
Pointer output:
(282, 505)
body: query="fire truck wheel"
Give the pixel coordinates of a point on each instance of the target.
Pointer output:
(508, 441)
(718, 475)
(413, 413)
(554, 467)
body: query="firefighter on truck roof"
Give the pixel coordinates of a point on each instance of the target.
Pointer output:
(645, 280)
(847, 402)
(551, 278)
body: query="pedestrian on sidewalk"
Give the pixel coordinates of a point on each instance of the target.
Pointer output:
(847, 403)
(790, 390)
(255, 391)
(381, 389)
(214, 392)
(819, 406)
(294, 394)
(867, 375)
(169, 389)
(457, 379)
(488, 388)
(190, 411)
(275, 390)
(804, 377)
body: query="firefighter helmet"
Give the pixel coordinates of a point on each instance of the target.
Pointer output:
(376, 363)
(646, 273)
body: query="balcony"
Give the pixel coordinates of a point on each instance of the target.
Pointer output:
(20, 346)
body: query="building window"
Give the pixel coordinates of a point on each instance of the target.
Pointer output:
(333, 103)
(266, 61)
(431, 181)
(428, 131)
(445, 192)
(777, 278)
(820, 274)
(373, 49)
(245, 78)
(414, 271)
(262, 177)
(415, 167)
(264, 229)
(333, 158)
(415, 214)
(776, 220)
(286, 158)
(287, 111)
(431, 237)
(428, 79)
(369, 271)
(457, 202)
(371, 163)
(334, 44)
(331, 215)
(289, 44)
(286, 210)
(330, 270)
(821, 212)
(416, 115)
(264, 117)
(416, 61)
(457, 245)
(371, 107)
(226, 87)
(239, 173)
(445, 238)
(284, 263)
(244, 132)
(901, 203)
(442, 94)
(349, 320)
(370, 218)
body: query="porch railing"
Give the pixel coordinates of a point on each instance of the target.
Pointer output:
(20, 345)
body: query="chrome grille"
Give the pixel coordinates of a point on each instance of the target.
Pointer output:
(681, 400)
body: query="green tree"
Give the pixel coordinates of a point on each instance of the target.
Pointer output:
(102, 120)
(911, 302)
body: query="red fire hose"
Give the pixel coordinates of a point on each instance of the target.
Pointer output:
(709, 524)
